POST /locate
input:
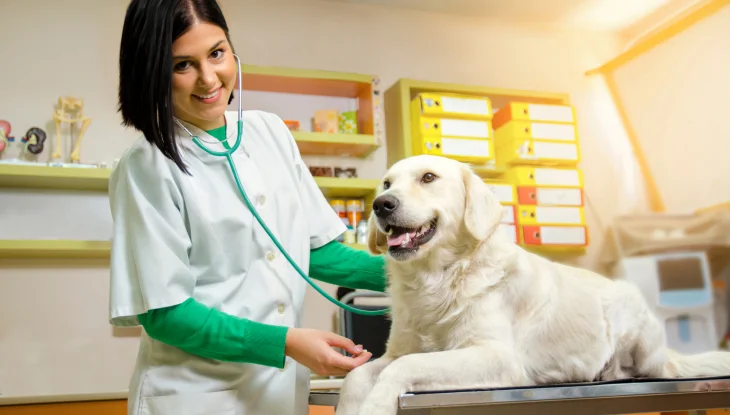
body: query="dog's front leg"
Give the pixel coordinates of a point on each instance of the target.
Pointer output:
(358, 384)
(485, 366)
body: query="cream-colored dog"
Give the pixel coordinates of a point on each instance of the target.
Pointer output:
(472, 309)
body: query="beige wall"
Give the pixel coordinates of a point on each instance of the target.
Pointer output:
(53, 315)
(678, 100)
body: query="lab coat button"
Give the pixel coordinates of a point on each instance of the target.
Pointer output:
(281, 308)
(270, 256)
(262, 200)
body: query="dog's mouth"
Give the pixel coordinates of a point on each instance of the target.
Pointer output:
(409, 239)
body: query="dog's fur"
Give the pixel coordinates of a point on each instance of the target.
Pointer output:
(472, 309)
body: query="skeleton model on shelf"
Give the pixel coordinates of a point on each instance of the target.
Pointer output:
(70, 110)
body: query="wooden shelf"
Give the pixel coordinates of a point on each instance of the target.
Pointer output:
(348, 188)
(54, 249)
(47, 177)
(355, 145)
(360, 87)
(306, 81)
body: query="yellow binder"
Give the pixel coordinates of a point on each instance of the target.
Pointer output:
(554, 236)
(536, 131)
(544, 176)
(506, 193)
(446, 105)
(451, 127)
(550, 215)
(537, 152)
(526, 111)
(464, 140)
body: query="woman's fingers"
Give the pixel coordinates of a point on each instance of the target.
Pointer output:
(349, 363)
(345, 343)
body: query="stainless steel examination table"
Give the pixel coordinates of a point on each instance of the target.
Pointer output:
(595, 398)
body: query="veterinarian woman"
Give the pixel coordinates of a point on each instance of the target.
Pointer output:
(219, 303)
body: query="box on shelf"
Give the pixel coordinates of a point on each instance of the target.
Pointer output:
(321, 171)
(348, 122)
(325, 121)
(292, 125)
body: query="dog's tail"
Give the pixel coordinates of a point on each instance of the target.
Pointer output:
(707, 364)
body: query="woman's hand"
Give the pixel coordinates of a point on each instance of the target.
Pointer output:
(314, 349)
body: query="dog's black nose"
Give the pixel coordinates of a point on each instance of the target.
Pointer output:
(384, 205)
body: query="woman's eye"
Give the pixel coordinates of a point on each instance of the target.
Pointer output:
(181, 66)
(217, 54)
(428, 177)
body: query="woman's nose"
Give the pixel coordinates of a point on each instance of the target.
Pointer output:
(207, 76)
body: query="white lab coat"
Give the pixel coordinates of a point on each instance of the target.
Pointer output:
(178, 236)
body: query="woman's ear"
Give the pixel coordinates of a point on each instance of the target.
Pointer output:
(377, 242)
(482, 211)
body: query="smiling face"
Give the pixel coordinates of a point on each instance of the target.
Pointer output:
(427, 203)
(204, 75)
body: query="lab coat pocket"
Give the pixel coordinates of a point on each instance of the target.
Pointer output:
(211, 403)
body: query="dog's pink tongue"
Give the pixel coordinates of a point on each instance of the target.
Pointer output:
(398, 239)
(395, 240)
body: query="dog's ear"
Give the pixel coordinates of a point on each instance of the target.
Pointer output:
(482, 211)
(377, 241)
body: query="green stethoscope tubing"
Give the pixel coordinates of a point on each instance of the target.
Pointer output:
(228, 155)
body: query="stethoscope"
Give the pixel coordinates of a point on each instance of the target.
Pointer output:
(228, 155)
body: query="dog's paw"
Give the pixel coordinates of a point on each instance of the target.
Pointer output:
(354, 389)
(350, 401)
(383, 400)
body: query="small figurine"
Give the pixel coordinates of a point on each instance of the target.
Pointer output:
(70, 110)
(35, 138)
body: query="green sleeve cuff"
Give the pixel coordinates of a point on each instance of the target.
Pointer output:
(341, 265)
(210, 333)
(266, 344)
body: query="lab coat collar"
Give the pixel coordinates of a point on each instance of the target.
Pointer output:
(186, 142)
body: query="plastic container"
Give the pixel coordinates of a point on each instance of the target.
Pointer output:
(355, 211)
(349, 236)
(338, 205)
(362, 232)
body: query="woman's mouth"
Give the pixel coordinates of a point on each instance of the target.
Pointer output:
(209, 98)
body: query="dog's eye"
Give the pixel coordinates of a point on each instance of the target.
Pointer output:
(386, 185)
(428, 178)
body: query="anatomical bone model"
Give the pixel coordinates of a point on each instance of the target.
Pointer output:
(70, 110)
